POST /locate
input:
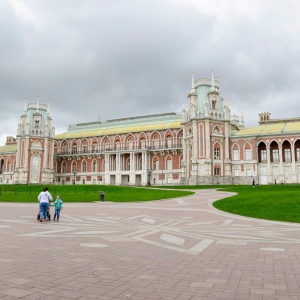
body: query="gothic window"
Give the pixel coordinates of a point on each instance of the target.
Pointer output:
(213, 104)
(155, 165)
(84, 166)
(74, 167)
(64, 167)
(287, 155)
(143, 144)
(263, 155)
(236, 172)
(156, 144)
(275, 155)
(74, 149)
(169, 164)
(169, 143)
(298, 154)
(9, 166)
(236, 155)
(248, 154)
(84, 148)
(36, 145)
(35, 169)
(216, 153)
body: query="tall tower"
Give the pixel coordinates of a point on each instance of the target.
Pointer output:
(35, 145)
(206, 126)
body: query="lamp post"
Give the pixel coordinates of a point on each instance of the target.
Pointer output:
(74, 173)
(149, 172)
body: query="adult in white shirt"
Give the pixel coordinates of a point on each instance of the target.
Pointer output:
(44, 198)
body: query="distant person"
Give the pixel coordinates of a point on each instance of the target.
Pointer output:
(58, 206)
(44, 198)
(253, 183)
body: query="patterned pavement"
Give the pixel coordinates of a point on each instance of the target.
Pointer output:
(175, 249)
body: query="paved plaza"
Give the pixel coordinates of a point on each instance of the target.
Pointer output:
(176, 249)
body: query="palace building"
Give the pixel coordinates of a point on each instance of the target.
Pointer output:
(204, 144)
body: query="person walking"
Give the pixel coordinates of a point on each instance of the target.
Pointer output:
(44, 198)
(58, 206)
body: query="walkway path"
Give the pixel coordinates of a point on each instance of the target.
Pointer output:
(175, 249)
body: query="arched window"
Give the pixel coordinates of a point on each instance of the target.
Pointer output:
(64, 167)
(36, 145)
(169, 163)
(65, 148)
(274, 151)
(1, 165)
(84, 147)
(286, 151)
(35, 169)
(235, 152)
(155, 142)
(74, 148)
(262, 152)
(143, 143)
(248, 152)
(155, 164)
(217, 151)
(84, 166)
(169, 142)
(74, 166)
(297, 150)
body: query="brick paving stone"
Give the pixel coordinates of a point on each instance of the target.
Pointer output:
(16, 292)
(148, 250)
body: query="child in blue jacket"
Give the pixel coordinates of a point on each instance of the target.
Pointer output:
(58, 206)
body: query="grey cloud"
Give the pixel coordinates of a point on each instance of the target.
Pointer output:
(124, 58)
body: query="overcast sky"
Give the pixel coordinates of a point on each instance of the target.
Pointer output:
(100, 59)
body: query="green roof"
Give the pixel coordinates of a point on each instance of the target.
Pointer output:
(8, 149)
(272, 128)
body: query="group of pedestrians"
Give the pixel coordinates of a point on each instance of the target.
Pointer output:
(45, 199)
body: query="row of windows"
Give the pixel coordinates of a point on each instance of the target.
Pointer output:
(236, 171)
(275, 155)
(155, 166)
(236, 154)
(8, 166)
(118, 146)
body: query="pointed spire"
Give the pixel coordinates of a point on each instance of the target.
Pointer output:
(193, 84)
(37, 103)
(212, 85)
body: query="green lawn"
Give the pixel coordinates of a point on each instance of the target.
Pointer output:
(86, 193)
(271, 202)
